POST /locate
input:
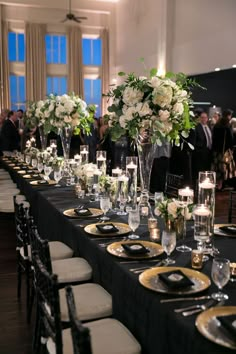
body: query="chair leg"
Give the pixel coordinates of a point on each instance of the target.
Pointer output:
(31, 303)
(19, 276)
(37, 333)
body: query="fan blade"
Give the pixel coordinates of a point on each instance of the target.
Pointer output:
(81, 18)
(76, 20)
(65, 19)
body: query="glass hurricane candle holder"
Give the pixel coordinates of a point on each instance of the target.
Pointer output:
(101, 158)
(84, 153)
(116, 172)
(131, 172)
(202, 225)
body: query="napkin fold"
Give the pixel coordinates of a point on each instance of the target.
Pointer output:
(175, 279)
(135, 248)
(106, 228)
(228, 323)
(83, 212)
(229, 229)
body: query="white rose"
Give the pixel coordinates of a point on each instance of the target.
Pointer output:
(46, 114)
(122, 122)
(172, 209)
(38, 112)
(155, 82)
(129, 114)
(184, 93)
(69, 106)
(67, 119)
(75, 122)
(51, 107)
(164, 115)
(131, 96)
(40, 104)
(143, 109)
(162, 96)
(157, 211)
(178, 108)
(142, 78)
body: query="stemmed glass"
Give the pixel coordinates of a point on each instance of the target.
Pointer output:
(168, 243)
(220, 273)
(105, 206)
(34, 162)
(47, 171)
(40, 166)
(133, 221)
(57, 176)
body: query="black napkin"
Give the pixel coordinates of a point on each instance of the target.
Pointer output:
(135, 248)
(227, 324)
(106, 228)
(230, 229)
(83, 212)
(175, 279)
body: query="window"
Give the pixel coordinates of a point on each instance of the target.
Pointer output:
(17, 92)
(92, 51)
(92, 93)
(56, 85)
(55, 49)
(16, 46)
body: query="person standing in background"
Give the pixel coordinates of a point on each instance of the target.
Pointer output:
(10, 135)
(160, 167)
(202, 155)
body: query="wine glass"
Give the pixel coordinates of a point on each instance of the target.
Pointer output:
(220, 273)
(57, 176)
(105, 206)
(133, 221)
(40, 166)
(47, 171)
(34, 162)
(168, 243)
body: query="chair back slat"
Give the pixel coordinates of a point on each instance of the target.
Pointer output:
(173, 184)
(22, 236)
(80, 334)
(48, 302)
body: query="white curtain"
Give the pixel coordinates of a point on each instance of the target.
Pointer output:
(4, 66)
(105, 68)
(35, 62)
(75, 65)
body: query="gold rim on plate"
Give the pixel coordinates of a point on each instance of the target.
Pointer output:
(123, 229)
(21, 172)
(16, 167)
(49, 183)
(117, 250)
(218, 232)
(209, 327)
(149, 279)
(71, 213)
(31, 176)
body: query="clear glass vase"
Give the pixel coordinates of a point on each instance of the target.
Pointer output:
(43, 138)
(66, 134)
(146, 152)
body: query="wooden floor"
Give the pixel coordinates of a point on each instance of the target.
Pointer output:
(15, 334)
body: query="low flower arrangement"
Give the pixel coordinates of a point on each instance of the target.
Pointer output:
(172, 209)
(84, 171)
(161, 105)
(57, 112)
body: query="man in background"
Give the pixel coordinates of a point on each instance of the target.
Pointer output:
(10, 137)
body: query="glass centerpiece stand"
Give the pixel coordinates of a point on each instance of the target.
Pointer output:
(131, 173)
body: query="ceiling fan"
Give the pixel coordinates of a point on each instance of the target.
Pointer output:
(71, 17)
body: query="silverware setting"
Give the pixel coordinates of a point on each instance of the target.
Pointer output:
(192, 307)
(142, 269)
(200, 308)
(176, 299)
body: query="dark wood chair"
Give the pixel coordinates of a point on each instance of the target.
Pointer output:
(173, 184)
(232, 206)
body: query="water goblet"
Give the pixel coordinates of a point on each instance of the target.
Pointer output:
(40, 166)
(105, 206)
(34, 162)
(133, 221)
(57, 176)
(220, 273)
(168, 243)
(47, 171)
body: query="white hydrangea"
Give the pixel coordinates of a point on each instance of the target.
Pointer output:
(162, 96)
(131, 96)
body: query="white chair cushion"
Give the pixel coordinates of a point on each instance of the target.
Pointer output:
(72, 270)
(108, 336)
(59, 250)
(92, 302)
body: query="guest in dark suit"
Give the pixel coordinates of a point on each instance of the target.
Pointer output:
(10, 137)
(202, 146)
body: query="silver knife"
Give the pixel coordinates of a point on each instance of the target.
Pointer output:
(186, 299)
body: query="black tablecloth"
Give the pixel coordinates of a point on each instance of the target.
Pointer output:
(155, 325)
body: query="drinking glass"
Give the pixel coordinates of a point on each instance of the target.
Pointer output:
(40, 166)
(133, 221)
(168, 243)
(105, 206)
(57, 176)
(220, 273)
(34, 162)
(47, 171)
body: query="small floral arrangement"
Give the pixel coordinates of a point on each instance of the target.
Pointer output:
(58, 162)
(84, 171)
(57, 112)
(105, 183)
(158, 104)
(172, 209)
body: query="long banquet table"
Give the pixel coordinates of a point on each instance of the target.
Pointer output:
(156, 326)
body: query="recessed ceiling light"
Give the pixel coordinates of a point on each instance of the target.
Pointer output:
(234, 66)
(217, 69)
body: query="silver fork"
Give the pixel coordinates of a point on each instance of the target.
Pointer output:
(199, 308)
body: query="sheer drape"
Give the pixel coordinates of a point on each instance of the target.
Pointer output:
(75, 65)
(35, 62)
(105, 68)
(4, 66)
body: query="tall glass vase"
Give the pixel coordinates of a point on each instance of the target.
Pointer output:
(146, 152)
(66, 134)
(43, 138)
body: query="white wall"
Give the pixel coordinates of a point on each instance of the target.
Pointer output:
(204, 36)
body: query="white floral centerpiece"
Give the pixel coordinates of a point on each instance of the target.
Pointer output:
(84, 171)
(159, 104)
(172, 209)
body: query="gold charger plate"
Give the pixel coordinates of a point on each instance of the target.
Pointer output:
(123, 229)
(21, 172)
(116, 249)
(31, 176)
(16, 167)
(218, 232)
(149, 279)
(71, 214)
(210, 328)
(11, 164)
(37, 183)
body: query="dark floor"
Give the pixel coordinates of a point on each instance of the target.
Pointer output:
(15, 334)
